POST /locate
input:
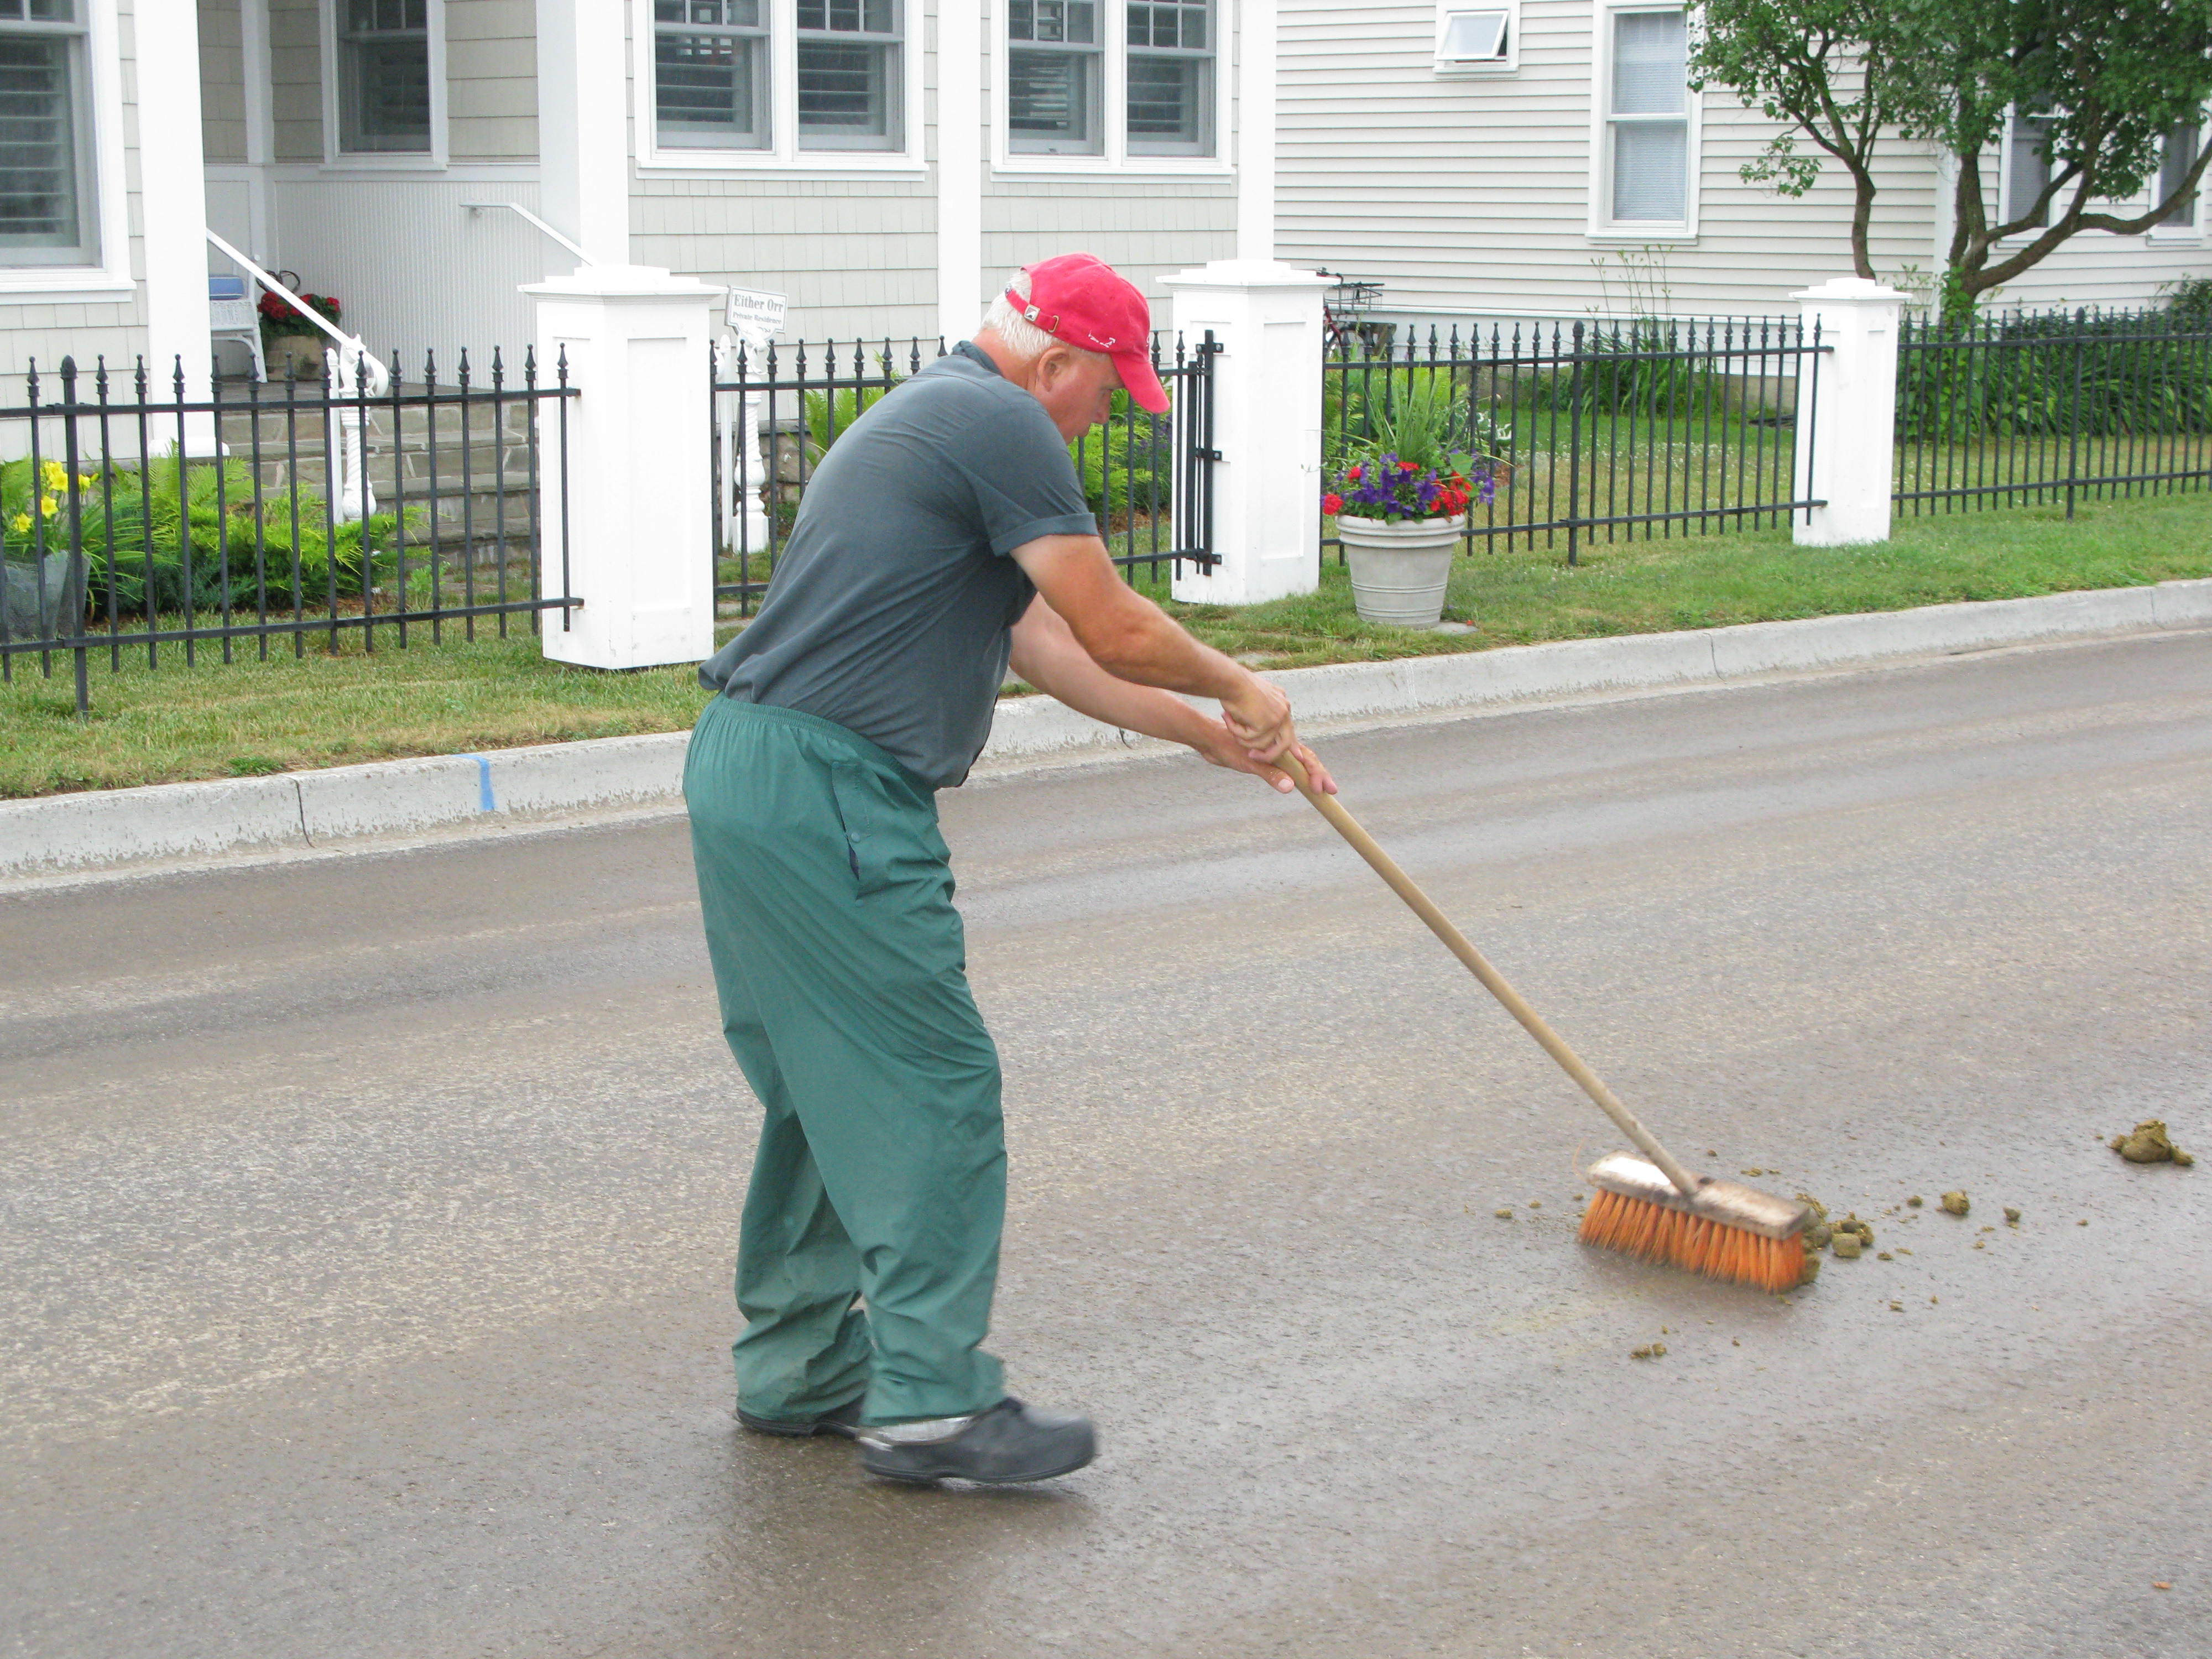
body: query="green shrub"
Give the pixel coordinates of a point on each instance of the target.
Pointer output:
(1421, 413)
(829, 414)
(134, 527)
(1129, 467)
(2054, 374)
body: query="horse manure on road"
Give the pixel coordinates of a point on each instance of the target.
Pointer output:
(1955, 1203)
(2148, 1142)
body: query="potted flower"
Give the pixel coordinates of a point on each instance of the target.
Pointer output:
(1400, 522)
(289, 342)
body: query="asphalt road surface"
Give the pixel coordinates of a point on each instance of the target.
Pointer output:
(368, 1221)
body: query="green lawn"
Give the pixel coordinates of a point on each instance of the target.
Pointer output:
(1640, 588)
(249, 717)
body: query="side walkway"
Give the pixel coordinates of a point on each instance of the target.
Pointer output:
(167, 823)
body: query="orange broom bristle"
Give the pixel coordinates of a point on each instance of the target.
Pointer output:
(1652, 1232)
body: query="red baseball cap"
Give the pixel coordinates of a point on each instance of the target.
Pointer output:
(1080, 299)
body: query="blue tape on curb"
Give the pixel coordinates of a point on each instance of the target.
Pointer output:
(485, 803)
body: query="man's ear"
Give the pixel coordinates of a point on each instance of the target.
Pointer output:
(1052, 364)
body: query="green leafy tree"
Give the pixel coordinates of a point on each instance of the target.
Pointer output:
(1826, 70)
(2105, 83)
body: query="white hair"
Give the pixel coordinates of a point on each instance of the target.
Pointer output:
(1024, 340)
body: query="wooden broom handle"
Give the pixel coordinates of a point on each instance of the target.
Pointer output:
(1477, 965)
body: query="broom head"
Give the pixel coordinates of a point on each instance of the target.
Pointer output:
(1724, 1230)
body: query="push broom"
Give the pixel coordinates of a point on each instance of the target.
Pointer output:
(1657, 1210)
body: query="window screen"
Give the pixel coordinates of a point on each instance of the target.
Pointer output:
(1053, 71)
(2179, 156)
(45, 150)
(850, 78)
(1649, 120)
(710, 73)
(383, 75)
(1170, 73)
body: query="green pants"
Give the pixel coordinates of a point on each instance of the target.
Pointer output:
(881, 1175)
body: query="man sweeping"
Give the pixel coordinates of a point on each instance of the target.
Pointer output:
(945, 536)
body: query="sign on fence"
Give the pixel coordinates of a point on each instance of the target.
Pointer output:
(756, 312)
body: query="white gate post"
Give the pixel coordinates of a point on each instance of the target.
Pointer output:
(1847, 413)
(639, 486)
(1266, 318)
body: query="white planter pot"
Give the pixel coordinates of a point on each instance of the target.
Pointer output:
(1400, 569)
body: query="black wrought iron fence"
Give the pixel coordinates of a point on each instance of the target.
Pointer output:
(138, 518)
(2052, 407)
(777, 412)
(1594, 431)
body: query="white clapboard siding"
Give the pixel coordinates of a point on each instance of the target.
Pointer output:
(1471, 196)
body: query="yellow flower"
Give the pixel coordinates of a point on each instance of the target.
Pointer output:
(21, 524)
(53, 475)
(48, 506)
(86, 480)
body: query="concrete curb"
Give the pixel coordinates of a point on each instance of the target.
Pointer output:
(59, 835)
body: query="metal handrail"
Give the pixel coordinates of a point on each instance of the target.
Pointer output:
(379, 377)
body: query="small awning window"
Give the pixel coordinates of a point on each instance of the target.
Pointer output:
(1472, 37)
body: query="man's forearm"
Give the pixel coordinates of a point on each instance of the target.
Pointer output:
(1048, 656)
(1151, 650)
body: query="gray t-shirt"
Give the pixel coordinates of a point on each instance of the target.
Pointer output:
(890, 609)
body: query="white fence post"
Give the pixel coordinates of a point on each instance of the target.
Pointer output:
(1847, 415)
(639, 489)
(1267, 318)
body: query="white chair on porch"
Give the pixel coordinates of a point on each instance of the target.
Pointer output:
(232, 316)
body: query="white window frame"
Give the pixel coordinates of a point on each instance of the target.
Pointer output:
(1117, 159)
(783, 155)
(108, 279)
(1603, 228)
(433, 160)
(2194, 230)
(1458, 68)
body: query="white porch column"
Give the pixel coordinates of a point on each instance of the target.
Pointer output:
(959, 168)
(638, 534)
(1266, 426)
(1255, 130)
(583, 127)
(172, 207)
(1847, 417)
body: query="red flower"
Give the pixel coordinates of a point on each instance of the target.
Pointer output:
(1332, 502)
(1356, 474)
(1409, 466)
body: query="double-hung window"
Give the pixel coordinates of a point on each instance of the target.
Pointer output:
(2178, 156)
(849, 76)
(1646, 178)
(1111, 79)
(710, 73)
(1171, 72)
(47, 213)
(793, 80)
(385, 96)
(1056, 77)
